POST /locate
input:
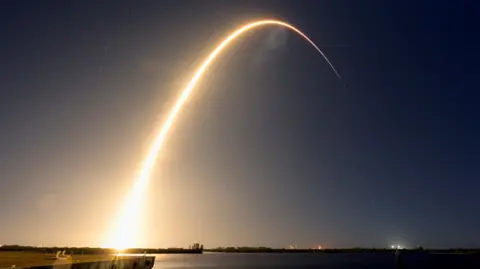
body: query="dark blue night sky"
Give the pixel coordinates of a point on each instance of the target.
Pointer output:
(272, 149)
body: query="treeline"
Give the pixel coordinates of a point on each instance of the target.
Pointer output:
(199, 249)
(456, 250)
(331, 250)
(285, 250)
(98, 251)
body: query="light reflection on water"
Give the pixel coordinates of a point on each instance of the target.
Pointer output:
(310, 261)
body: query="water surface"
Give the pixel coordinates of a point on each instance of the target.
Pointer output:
(313, 260)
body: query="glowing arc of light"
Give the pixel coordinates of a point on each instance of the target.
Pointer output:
(124, 236)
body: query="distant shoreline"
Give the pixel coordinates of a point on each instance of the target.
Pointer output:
(344, 250)
(89, 251)
(101, 251)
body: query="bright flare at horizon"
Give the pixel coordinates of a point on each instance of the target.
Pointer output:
(127, 226)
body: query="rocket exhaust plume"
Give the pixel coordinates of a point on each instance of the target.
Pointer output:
(124, 235)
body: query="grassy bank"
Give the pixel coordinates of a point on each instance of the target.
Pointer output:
(29, 258)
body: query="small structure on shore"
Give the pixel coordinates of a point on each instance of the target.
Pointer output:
(197, 246)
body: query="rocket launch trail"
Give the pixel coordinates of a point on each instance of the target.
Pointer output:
(124, 235)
